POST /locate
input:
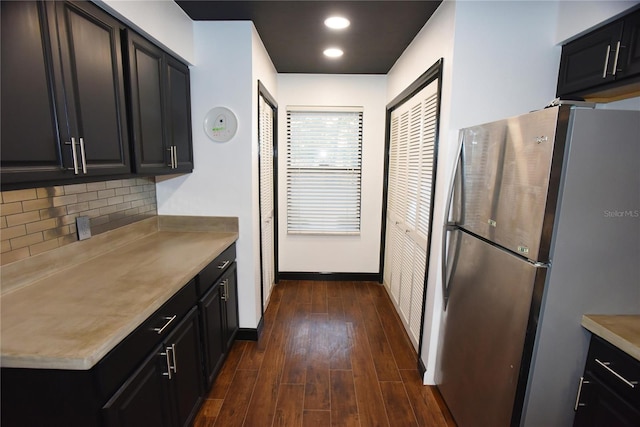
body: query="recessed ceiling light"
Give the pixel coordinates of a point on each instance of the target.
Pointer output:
(333, 52)
(337, 22)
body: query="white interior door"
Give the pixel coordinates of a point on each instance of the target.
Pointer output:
(413, 137)
(265, 139)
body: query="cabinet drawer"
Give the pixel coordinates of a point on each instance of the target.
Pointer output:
(215, 269)
(616, 369)
(121, 361)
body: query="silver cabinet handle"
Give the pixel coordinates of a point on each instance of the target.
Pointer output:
(83, 156)
(582, 381)
(605, 365)
(168, 360)
(223, 265)
(175, 157)
(169, 320)
(615, 58)
(173, 356)
(74, 155)
(224, 283)
(606, 62)
(170, 150)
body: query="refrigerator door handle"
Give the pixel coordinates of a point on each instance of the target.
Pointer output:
(449, 225)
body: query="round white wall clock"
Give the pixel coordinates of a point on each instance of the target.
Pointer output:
(220, 124)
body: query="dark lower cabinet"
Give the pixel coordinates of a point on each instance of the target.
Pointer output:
(156, 376)
(608, 394)
(143, 399)
(168, 388)
(219, 308)
(602, 407)
(212, 333)
(230, 306)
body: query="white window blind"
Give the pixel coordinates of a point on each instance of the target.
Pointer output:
(324, 170)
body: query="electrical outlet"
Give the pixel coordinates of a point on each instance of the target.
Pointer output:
(84, 228)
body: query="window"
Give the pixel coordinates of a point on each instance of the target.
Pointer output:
(324, 169)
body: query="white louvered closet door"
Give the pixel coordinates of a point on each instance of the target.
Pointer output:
(266, 198)
(413, 137)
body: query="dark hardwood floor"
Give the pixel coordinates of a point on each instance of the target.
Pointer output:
(330, 354)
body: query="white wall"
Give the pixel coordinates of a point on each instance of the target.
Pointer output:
(263, 71)
(222, 180)
(500, 60)
(162, 21)
(578, 17)
(435, 41)
(352, 254)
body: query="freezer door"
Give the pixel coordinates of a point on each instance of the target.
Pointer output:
(487, 330)
(508, 169)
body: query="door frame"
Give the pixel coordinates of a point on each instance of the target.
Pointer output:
(270, 100)
(433, 73)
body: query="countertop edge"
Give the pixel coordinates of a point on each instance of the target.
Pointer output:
(592, 324)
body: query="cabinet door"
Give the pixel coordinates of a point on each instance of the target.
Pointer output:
(588, 61)
(600, 406)
(230, 306)
(630, 50)
(146, 83)
(179, 114)
(183, 345)
(91, 56)
(143, 398)
(31, 148)
(211, 316)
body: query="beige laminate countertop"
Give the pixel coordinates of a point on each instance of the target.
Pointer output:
(72, 318)
(621, 331)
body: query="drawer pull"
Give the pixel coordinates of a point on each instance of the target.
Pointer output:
(223, 265)
(605, 365)
(169, 320)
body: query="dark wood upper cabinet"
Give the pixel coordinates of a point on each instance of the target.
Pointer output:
(160, 109)
(630, 64)
(91, 53)
(63, 105)
(66, 72)
(179, 113)
(31, 145)
(603, 64)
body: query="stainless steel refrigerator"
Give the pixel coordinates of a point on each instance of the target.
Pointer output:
(543, 226)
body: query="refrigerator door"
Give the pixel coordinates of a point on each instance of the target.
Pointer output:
(485, 331)
(510, 173)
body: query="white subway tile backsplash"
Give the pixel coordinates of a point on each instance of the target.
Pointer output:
(37, 220)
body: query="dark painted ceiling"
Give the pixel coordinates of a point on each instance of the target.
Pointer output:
(295, 36)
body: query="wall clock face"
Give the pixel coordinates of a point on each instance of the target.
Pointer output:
(220, 124)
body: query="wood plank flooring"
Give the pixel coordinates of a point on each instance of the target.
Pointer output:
(330, 354)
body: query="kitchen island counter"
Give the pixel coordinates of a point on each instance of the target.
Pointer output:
(67, 310)
(622, 331)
